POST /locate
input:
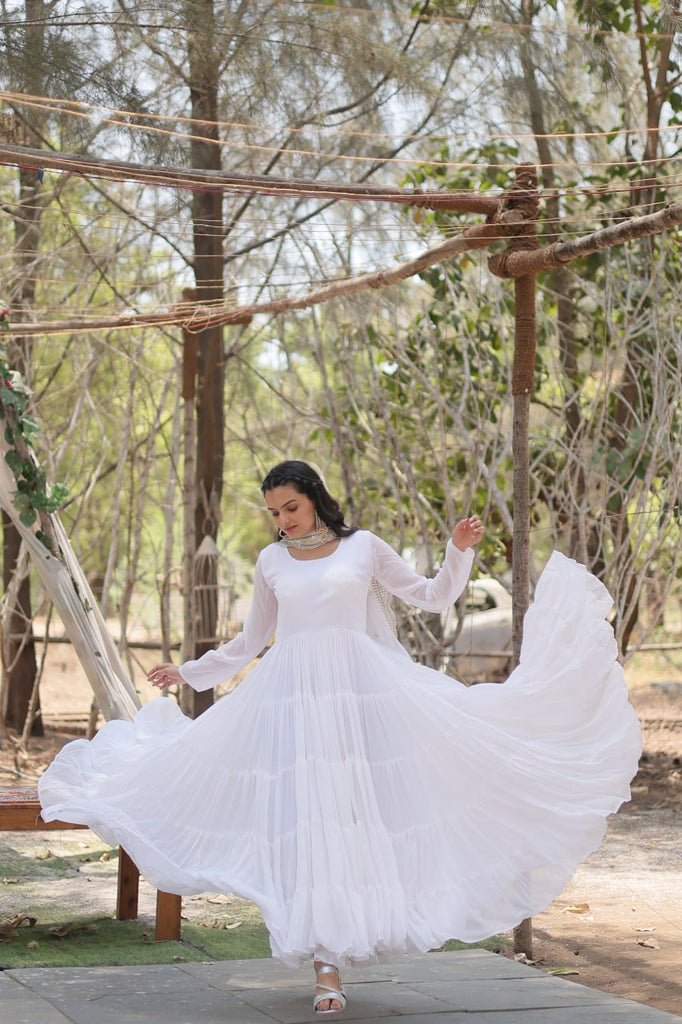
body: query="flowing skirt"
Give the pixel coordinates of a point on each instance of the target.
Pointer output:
(369, 805)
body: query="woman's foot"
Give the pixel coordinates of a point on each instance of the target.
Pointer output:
(329, 996)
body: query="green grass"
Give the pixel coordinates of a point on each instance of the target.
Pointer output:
(96, 942)
(495, 944)
(37, 864)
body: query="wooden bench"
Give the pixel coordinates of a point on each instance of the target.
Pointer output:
(20, 812)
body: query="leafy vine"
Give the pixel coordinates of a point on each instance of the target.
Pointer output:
(33, 499)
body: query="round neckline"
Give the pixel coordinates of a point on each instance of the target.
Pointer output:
(320, 558)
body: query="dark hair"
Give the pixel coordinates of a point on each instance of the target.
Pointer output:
(307, 481)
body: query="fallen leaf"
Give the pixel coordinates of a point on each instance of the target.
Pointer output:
(649, 943)
(60, 931)
(105, 857)
(10, 881)
(90, 928)
(576, 908)
(23, 919)
(563, 971)
(43, 854)
(32, 944)
(645, 929)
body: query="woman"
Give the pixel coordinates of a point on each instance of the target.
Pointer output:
(367, 804)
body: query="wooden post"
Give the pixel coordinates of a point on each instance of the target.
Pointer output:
(521, 204)
(189, 433)
(168, 911)
(522, 388)
(128, 887)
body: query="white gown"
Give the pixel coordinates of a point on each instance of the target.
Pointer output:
(367, 804)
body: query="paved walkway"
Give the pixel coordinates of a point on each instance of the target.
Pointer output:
(471, 987)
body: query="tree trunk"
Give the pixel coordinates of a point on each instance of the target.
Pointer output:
(207, 217)
(22, 666)
(20, 646)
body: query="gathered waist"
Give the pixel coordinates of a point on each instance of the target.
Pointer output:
(321, 633)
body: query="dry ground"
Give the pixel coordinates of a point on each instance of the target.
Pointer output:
(617, 926)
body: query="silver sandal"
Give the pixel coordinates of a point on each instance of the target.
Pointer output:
(328, 993)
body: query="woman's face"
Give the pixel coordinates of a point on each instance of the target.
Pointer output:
(293, 512)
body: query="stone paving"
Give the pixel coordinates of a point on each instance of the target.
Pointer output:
(468, 987)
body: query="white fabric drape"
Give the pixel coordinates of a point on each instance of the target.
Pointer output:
(70, 592)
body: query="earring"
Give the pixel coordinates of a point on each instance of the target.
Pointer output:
(319, 523)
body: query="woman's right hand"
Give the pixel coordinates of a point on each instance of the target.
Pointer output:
(467, 533)
(165, 675)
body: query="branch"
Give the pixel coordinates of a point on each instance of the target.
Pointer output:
(517, 264)
(196, 318)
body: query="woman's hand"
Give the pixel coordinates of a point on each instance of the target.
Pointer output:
(467, 533)
(165, 675)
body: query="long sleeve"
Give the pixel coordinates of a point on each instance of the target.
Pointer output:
(433, 595)
(216, 666)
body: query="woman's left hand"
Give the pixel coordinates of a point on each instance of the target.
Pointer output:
(165, 675)
(467, 533)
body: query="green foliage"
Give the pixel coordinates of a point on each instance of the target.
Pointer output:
(607, 364)
(32, 495)
(126, 425)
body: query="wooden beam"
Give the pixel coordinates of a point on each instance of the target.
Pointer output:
(195, 178)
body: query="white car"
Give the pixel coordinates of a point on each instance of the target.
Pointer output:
(482, 651)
